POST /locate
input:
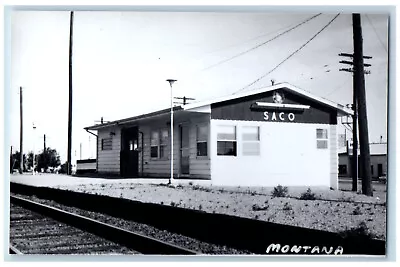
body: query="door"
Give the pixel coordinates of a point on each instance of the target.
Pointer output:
(184, 150)
(129, 152)
(380, 170)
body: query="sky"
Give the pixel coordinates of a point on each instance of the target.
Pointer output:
(121, 61)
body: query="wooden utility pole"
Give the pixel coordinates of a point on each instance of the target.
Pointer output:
(69, 164)
(362, 106)
(184, 100)
(44, 143)
(355, 138)
(356, 88)
(21, 159)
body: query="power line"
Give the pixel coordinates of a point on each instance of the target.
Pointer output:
(372, 25)
(340, 87)
(249, 40)
(264, 43)
(283, 61)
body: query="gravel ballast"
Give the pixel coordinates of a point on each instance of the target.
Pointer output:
(147, 230)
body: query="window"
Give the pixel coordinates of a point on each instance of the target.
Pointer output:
(372, 169)
(202, 139)
(342, 169)
(130, 145)
(226, 141)
(163, 143)
(154, 142)
(133, 145)
(251, 140)
(322, 138)
(106, 144)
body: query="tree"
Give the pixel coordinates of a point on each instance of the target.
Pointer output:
(64, 168)
(15, 159)
(48, 158)
(28, 160)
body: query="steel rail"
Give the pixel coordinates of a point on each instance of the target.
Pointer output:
(14, 250)
(141, 243)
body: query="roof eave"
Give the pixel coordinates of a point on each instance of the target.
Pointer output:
(132, 119)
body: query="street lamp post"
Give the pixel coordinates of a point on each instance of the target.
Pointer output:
(33, 153)
(171, 81)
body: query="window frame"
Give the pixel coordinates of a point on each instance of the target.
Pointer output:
(109, 140)
(157, 145)
(258, 141)
(235, 141)
(161, 144)
(207, 139)
(324, 131)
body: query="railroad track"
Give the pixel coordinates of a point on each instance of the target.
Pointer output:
(42, 229)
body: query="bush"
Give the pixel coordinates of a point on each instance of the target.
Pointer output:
(196, 187)
(308, 195)
(287, 206)
(360, 230)
(256, 207)
(357, 211)
(280, 191)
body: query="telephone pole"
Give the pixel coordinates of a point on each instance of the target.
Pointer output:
(21, 159)
(184, 100)
(70, 95)
(358, 86)
(44, 143)
(362, 106)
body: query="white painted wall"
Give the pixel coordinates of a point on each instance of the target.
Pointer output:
(289, 157)
(334, 158)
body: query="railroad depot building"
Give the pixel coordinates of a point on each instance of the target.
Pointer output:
(265, 137)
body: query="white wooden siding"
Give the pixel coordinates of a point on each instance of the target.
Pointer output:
(334, 161)
(288, 156)
(109, 160)
(199, 166)
(86, 166)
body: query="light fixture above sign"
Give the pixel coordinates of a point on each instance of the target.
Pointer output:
(278, 97)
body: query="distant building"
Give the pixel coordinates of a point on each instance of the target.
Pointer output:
(378, 152)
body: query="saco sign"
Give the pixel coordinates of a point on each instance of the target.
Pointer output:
(278, 116)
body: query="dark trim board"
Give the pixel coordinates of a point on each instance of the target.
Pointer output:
(144, 176)
(83, 171)
(86, 161)
(244, 109)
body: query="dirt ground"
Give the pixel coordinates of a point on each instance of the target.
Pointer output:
(333, 210)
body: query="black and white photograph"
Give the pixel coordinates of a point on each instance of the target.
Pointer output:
(197, 132)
